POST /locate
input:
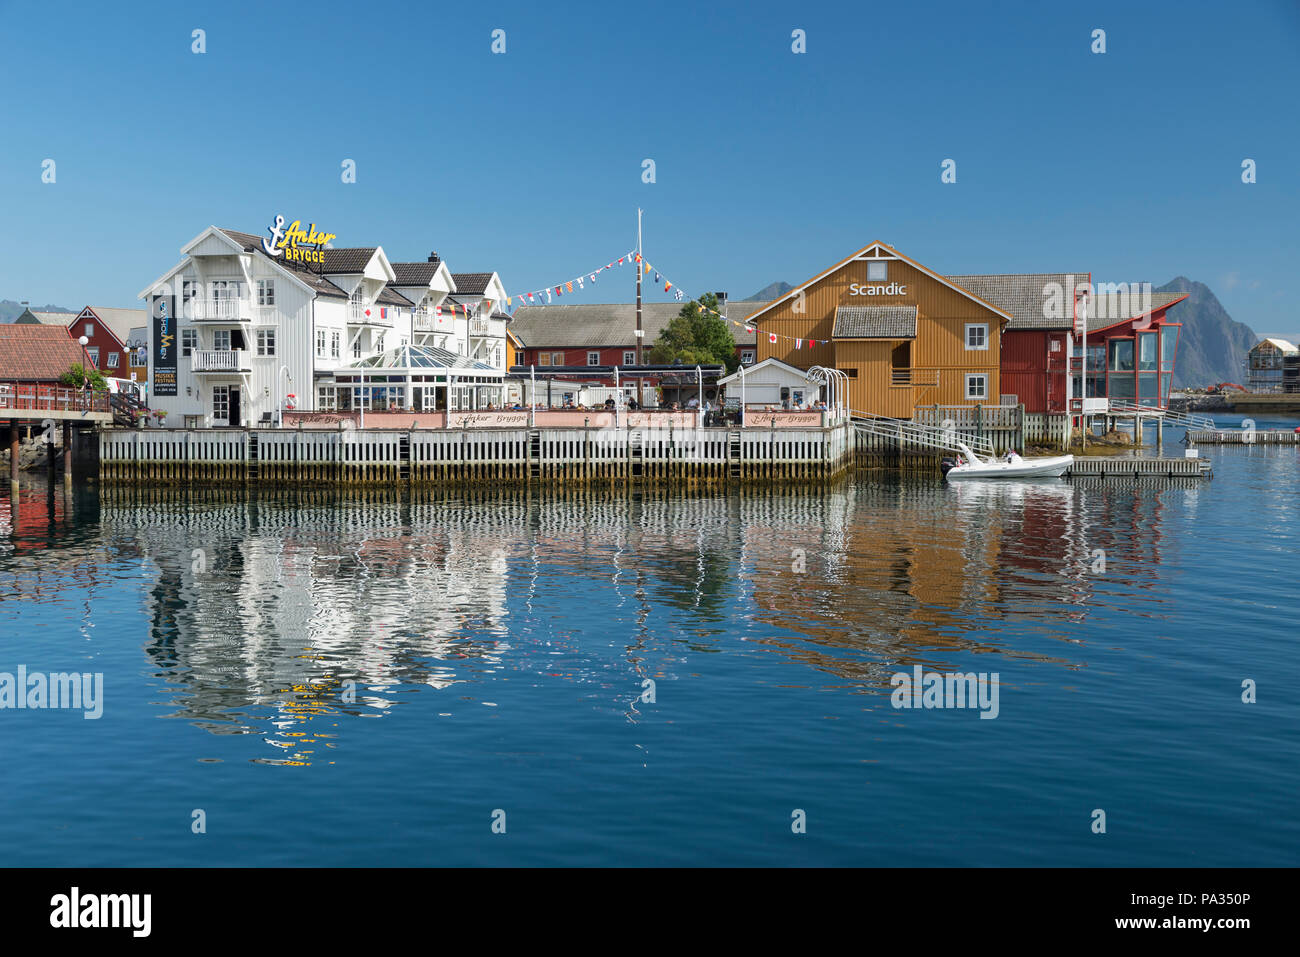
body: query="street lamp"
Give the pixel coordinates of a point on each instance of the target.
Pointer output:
(284, 370)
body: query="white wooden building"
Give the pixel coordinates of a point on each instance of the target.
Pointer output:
(247, 322)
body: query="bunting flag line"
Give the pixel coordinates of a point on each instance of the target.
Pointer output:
(559, 289)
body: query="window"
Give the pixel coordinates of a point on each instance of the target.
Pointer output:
(221, 402)
(379, 342)
(977, 335)
(629, 358)
(112, 359)
(1121, 355)
(320, 342)
(221, 340)
(747, 357)
(557, 358)
(977, 386)
(326, 398)
(335, 338)
(266, 292)
(593, 358)
(93, 352)
(89, 330)
(543, 358)
(356, 347)
(877, 271)
(266, 342)
(189, 342)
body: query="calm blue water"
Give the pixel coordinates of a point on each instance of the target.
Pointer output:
(499, 642)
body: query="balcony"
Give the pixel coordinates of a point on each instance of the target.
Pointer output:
(486, 327)
(359, 314)
(220, 361)
(225, 310)
(426, 320)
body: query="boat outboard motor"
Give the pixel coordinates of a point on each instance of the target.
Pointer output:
(947, 464)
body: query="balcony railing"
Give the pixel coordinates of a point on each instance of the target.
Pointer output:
(486, 327)
(220, 360)
(426, 320)
(218, 310)
(37, 397)
(361, 314)
(900, 376)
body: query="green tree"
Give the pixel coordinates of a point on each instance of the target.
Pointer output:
(696, 336)
(77, 376)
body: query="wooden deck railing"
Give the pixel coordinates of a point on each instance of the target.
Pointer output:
(34, 396)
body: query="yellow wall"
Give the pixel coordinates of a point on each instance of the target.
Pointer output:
(939, 357)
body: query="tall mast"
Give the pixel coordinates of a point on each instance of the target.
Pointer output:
(640, 332)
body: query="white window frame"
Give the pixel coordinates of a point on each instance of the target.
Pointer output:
(880, 267)
(93, 352)
(983, 327)
(112, 358)
(266, 292)
(218, 337)
(629, 357)
(266, 342)
(335, 343)
(88, 330)
(593, 358)
(320, 343)
(557, 358)
(983, 377)
(747, 357)
(327, 398)
(189, 341)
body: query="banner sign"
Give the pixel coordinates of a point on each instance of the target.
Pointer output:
(165, 347)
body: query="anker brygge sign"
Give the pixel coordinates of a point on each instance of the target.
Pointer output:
(877, 289)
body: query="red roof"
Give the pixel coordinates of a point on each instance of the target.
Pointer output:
(30, 353)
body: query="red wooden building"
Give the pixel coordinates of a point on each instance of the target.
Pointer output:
(1131, 340)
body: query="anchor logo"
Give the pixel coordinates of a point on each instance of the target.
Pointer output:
(272, 246)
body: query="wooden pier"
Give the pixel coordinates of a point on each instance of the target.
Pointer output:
(472, 456)
(1109, 466)
(1244, 437)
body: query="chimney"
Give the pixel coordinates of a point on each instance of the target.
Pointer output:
(433, 257)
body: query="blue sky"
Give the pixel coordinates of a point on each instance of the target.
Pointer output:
(769, 165)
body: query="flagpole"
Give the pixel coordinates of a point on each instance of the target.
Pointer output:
(640, 333)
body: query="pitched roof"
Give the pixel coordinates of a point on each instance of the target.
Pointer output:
(892, 252)
(318, 283)
(414, 274)
(472, 283)
(351, 259)
(606, 325)
(1027, 297)
(30, 352)
(875, 322)
(1282, 344)
(1113, 308)
(120, 321)
(389, 296)
(32, 317)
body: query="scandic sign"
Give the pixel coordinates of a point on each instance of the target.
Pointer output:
(877, 289)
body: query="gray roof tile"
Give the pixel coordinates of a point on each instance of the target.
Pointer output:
(1027, 297)
(609, 324)
(875, 322)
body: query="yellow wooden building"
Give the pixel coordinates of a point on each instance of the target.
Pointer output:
(903, 334)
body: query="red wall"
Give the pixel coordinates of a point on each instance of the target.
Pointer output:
(1024, 367)
(106, 341)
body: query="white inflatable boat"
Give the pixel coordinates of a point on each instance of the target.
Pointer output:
(1010, 466)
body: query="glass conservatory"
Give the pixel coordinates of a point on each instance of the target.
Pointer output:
(412, 378)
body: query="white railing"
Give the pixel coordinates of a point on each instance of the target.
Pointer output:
(480, 327)
(219, 360)
(357, 314)
(426, 320)
(218, 310)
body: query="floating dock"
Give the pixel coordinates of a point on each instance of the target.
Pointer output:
(1244, 437)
